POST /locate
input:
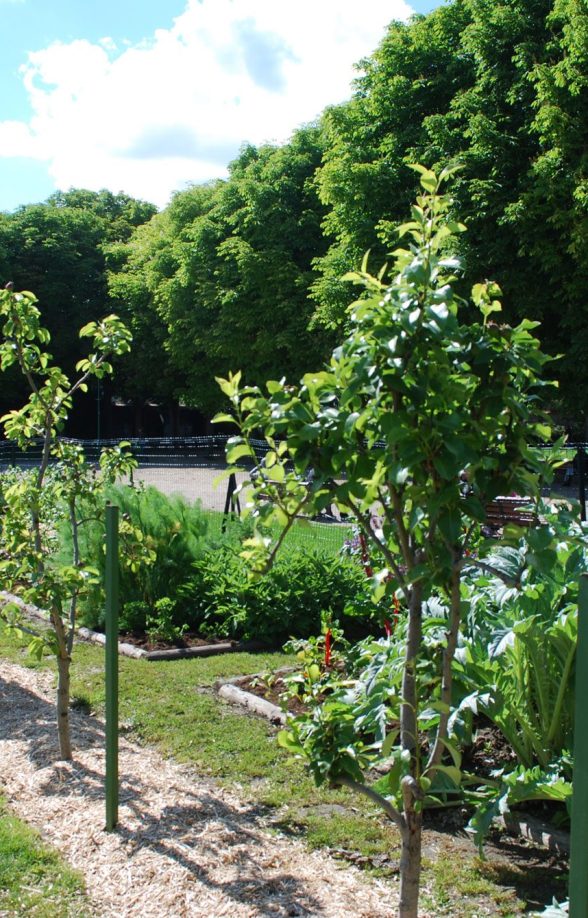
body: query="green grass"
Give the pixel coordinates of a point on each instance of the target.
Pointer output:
(304, 534)
(173, 707)
(33, 878)
(510, 888)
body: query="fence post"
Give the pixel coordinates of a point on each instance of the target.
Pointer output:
(111, 667)
(582, 481)
(579, 836)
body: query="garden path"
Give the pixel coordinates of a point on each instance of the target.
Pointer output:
(184, 846)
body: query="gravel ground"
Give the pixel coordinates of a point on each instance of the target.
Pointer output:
(193, 484)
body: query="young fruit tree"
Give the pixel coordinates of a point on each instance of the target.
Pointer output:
(415, 400)
(62, 486)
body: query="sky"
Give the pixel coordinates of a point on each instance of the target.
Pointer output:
(148, 96)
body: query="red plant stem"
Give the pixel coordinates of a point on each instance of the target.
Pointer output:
(396, 609)
(328, 640)
(369, 572)
(365, 558)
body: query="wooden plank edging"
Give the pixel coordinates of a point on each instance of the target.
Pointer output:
(235, 695)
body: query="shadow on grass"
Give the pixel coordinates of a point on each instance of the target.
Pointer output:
(535, 874)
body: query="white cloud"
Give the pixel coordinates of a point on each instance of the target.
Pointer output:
(150, 117)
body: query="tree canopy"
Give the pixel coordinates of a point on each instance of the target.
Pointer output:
(499, 87)
(58, 249)
(228, 266)
(252, 264)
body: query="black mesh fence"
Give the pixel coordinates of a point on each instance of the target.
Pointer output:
(192, 467)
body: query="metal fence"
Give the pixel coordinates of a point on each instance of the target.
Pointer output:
(189, 466)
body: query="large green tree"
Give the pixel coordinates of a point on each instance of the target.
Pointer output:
(550, 216)
(140, 271)
(228, 266)
(500, 86)
(58, 249)
(407, 84)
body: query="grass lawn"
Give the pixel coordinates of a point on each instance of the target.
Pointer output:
(173, 707)
(304, 534)
(33, 878)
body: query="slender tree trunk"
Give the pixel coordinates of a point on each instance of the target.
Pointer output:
(408, 708)
(448, 656)
(73, 604)
(63, 683)
(410, 856)
(410, 859)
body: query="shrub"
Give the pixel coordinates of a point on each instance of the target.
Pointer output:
(168, 535)
(287, 602)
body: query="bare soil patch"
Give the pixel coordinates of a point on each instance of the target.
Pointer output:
(188, 639)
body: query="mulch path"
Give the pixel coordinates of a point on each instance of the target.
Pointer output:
(184, 847)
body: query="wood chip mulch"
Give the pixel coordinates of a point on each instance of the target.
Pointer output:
(184, 847)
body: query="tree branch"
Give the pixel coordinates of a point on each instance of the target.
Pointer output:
(390, 811)
(365, 525)
(447, 675)
(401, 528)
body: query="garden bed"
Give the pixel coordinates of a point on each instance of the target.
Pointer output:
(190, 645)
(263, 695)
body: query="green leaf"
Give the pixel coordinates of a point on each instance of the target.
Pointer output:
(389, 743)
(221, 418)
(453, 773)
(429, 181)
(288, 741)
(450, 525)
(237, 451)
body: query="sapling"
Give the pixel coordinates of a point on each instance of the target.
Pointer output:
(28, 565)
(413, 398)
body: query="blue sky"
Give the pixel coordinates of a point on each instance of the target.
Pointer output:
(145, 96)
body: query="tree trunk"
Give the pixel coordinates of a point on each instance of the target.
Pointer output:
(410, 858)
(63, 708)
(409, 704)
(63, 679)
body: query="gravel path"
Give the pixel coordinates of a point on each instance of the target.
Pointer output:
(184, 847)
(192, 483)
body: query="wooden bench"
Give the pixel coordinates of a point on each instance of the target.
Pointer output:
(504, 510)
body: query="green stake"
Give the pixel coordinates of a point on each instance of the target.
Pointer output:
(579, 839)
(111, 675)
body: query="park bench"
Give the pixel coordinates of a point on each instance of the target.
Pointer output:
(504, 510)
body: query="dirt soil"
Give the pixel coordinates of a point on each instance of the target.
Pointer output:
(273, 692)
(189, 639)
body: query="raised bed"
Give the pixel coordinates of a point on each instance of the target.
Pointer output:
(173, 653)
(517, 824)
(131, 650)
